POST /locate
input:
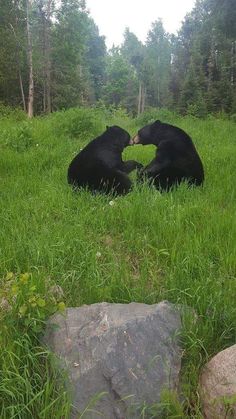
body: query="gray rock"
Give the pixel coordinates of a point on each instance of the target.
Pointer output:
(125, 354)
(218, 385)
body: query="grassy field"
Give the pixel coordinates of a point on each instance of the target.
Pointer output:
(144, 247)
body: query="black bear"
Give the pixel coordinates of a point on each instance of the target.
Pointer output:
(176, 157)
(99, 166)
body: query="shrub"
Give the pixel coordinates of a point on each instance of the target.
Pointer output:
(81, 123)
(19, 137)
(233, 117)
(7, 112)
(26, 302)
(153, 114)
(198, 109)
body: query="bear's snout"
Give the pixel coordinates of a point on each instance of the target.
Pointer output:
(135, 140)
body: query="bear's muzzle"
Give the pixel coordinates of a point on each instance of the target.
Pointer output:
(135, 140)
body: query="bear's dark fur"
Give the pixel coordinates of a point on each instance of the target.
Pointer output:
(99, 166)
(176, 157)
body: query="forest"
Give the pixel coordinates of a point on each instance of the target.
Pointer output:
(60, 87)
(52, 58)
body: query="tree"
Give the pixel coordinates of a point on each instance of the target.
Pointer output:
(121, 81)
(95, 59)
(30, 59)
(78, 56)
(133, 51)
(12, 53)
(45, 8)
(53, 50)
(158, 65)
(204, 58)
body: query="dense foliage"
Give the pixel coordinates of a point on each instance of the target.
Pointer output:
(193, 72)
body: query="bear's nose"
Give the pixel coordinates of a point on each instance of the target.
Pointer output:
(135, 140)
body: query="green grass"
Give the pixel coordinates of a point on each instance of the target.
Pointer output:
(178, 246)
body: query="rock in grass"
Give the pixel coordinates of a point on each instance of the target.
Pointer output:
(218, 385)
(119, 356)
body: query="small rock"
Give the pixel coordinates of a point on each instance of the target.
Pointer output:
(218, 385)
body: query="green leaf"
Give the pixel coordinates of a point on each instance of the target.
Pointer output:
(41, 302)
(23, 309)
(61, 306)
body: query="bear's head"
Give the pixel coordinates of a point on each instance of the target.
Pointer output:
(150, 134)
(118, 136)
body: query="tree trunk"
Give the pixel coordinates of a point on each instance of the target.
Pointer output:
(212, 62)
(139, 97)
(158, 83)
(233, 62)
(43, 18)
(143, 99)
(48, 57)
(22, 91)
(30, 60)
(158, 93)
(19, 70)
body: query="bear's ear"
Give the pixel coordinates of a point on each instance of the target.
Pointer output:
(157, 122)
(107, 127)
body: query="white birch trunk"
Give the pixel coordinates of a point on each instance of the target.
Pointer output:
(139, 97)
(48, 58)
(19, 70)
(30, 61)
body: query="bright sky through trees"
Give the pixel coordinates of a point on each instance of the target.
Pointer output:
(112, 16)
